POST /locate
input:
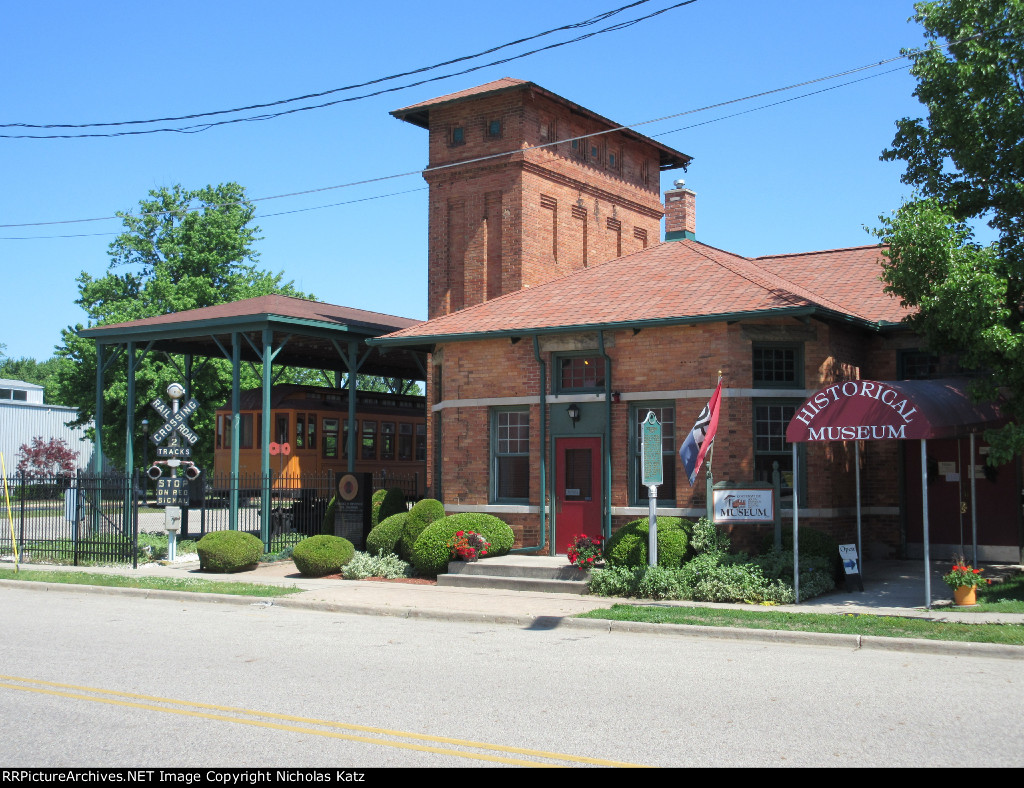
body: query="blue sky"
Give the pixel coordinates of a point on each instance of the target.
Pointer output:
(800, 176)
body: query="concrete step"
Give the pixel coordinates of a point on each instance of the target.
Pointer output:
(464, 580)
(548, 574)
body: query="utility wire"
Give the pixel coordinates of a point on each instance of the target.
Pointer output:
(197, 128)
(575, 25)
(494, 155)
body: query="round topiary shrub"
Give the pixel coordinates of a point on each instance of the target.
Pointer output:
(322, 555)
(430, 554)
(375, 503)
(628, 545)
(384, 538)
(228, 551)
(393, 503)
(327, 526)
(420, 516)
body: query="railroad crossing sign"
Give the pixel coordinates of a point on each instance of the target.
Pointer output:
(175, 422)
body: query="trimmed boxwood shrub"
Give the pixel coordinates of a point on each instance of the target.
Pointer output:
(430, 554)
(375, 503)
(228, 551)
(812, 543)
(327, 526)
(393, 503)
(628, 545)
(384, 538)
(322, 555)
(420, 516)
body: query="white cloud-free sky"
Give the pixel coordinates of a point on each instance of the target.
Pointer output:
(800, 176)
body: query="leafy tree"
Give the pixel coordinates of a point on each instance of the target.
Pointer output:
(182, 250)
(46, 459)
(966, 161)
(42, 373)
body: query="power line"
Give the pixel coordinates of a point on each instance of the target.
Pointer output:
(197, 128)
(575, 25)
(379, 179)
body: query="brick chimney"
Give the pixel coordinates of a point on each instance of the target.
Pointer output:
(680, 213)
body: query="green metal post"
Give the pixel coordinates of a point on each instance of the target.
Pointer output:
(129, 443)
(352, 362)
(268, 339)
(98, 442)
(236, 419)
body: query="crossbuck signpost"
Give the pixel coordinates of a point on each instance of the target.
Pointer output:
(172, 492)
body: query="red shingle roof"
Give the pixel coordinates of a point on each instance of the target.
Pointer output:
(276, 305)
(678, 281)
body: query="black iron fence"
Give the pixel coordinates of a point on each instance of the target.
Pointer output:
(84, 518)
(77, 519)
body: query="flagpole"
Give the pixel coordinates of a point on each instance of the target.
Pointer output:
(709, 491)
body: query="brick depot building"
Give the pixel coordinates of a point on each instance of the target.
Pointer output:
(557, 320)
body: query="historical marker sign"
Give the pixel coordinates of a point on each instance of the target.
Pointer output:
(650, 449)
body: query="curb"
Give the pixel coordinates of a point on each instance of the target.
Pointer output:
(766, 636)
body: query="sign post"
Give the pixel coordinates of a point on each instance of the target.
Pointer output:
(652, 476)
(172, 492)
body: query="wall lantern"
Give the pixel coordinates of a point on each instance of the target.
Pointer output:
(574, 414)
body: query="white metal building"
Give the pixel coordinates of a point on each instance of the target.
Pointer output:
(24, 416)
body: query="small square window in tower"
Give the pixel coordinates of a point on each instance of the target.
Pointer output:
(494, 129)
(458, 136)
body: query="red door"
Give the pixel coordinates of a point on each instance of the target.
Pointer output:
(578, 493)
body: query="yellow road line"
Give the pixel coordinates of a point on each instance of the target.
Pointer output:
(313, 721)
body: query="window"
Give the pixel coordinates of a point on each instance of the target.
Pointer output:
(220, 431)
(330, 450)
(281, 428)
(311, 432)
(19, 395)
(510, 446)
(458, 135)
(494, 129)
(771, 418)
(666, 414)
(778, 366)
(580, 372)
(245, 431)
(300, 430)
(405, 441)
(421, 443)
(387, 440)
(920, 365)
(369, 451)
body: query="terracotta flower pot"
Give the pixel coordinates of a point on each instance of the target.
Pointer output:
(965, 595)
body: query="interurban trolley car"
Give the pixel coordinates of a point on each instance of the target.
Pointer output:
(309, 435)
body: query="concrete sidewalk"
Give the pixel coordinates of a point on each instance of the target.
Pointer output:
(891, 588)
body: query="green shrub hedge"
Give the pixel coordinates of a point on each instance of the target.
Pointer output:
(327, 526)
(628, 545)
(430, 554)
(375, 503)
(383, 539)
(812, 543)
(420, 516)
(228, 551)
(393, 503)
(322, 555)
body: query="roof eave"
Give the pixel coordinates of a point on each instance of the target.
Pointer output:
(432, 340)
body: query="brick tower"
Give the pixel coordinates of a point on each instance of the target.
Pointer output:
(519, 195)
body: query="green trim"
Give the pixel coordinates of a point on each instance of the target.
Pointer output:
(680, 235)
(493, 415)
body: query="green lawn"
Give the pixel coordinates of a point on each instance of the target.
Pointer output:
(1004, 597)
(195, 584)
(849, 623)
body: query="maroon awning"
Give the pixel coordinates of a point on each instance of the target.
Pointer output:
(891, 410)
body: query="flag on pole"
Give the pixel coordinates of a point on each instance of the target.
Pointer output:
(697, 443)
